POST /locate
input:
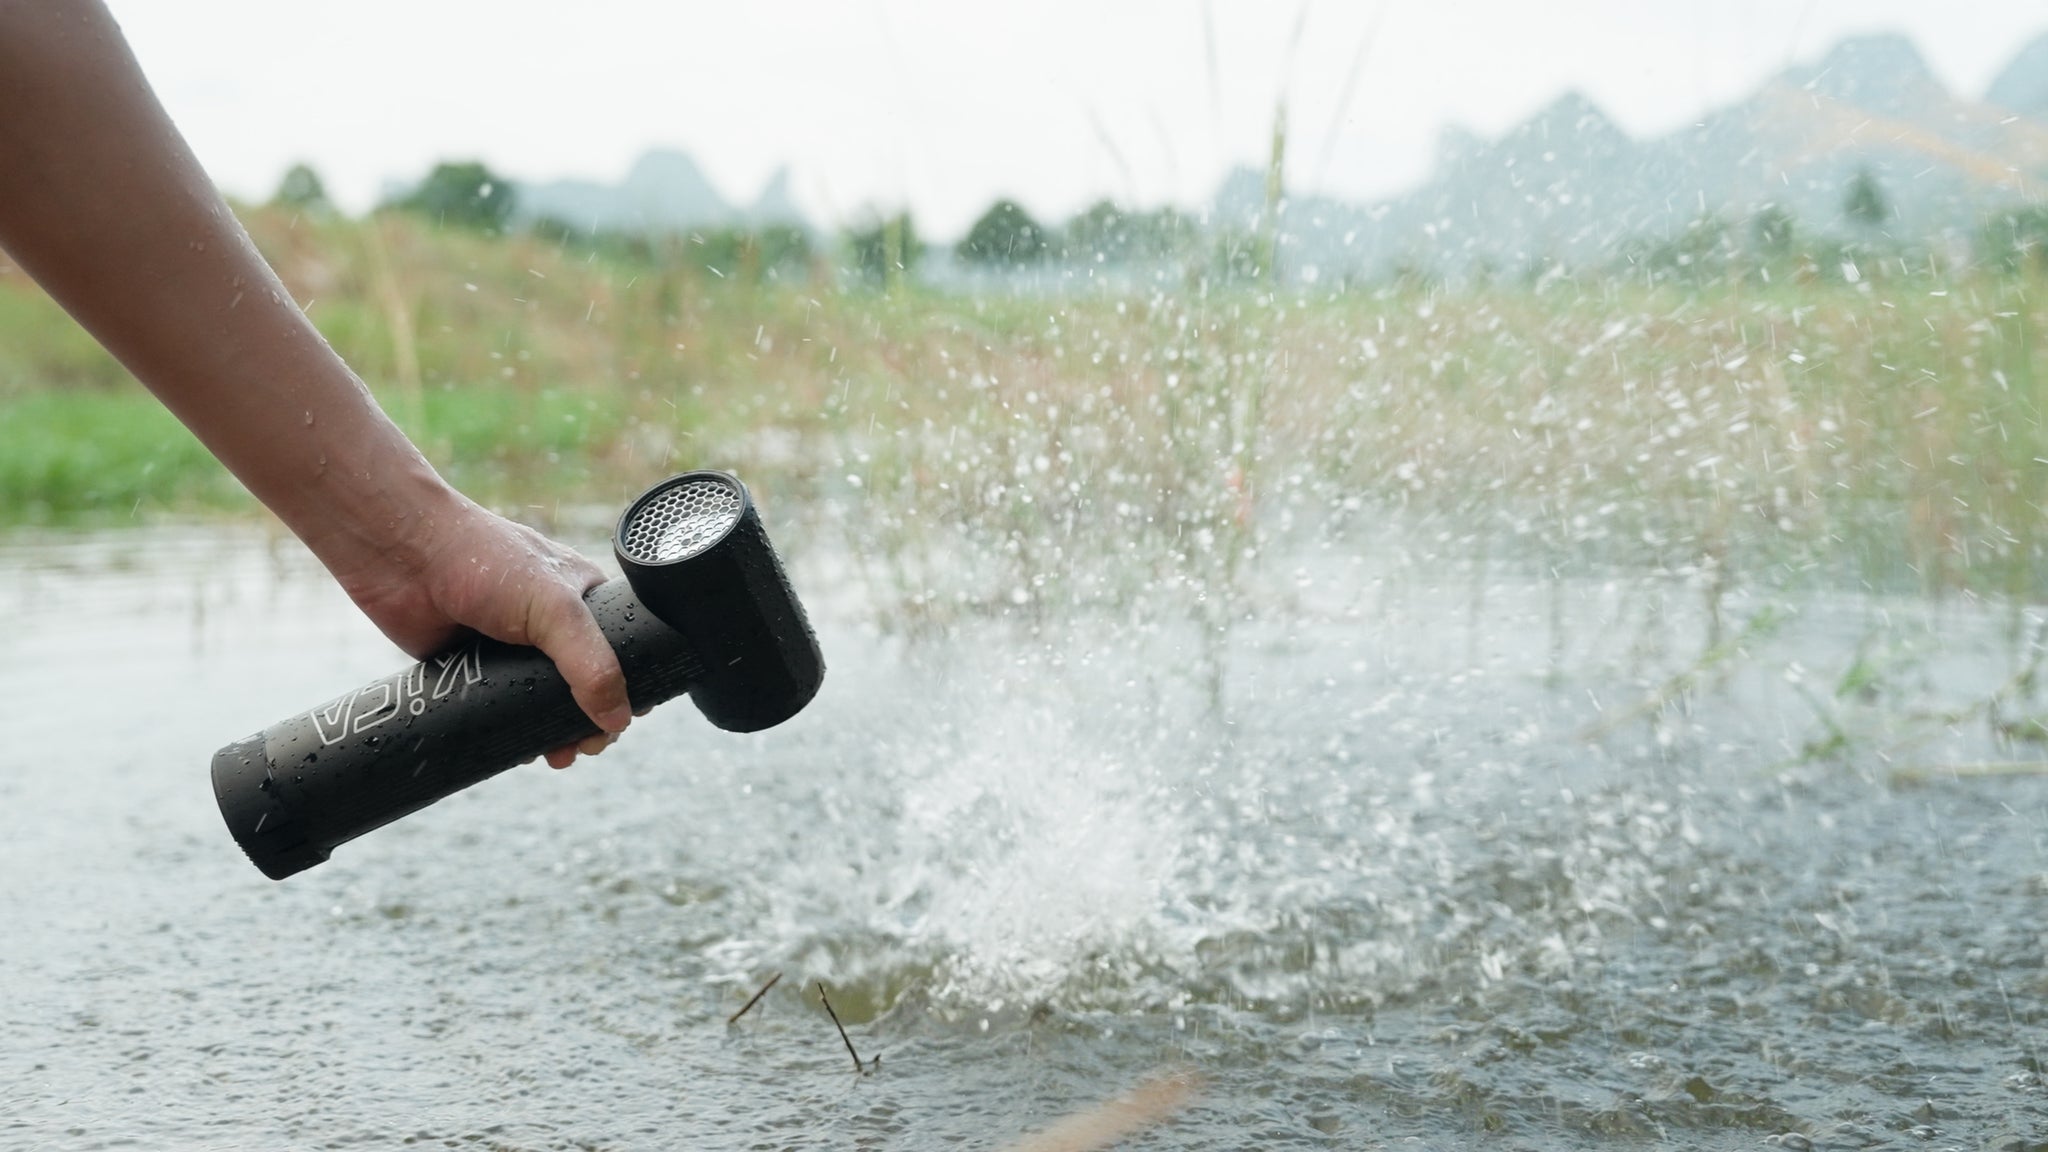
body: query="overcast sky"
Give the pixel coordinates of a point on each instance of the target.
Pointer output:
(941, 105)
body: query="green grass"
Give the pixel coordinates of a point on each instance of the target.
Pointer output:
(99, 456)
(510, 442)
(39, 345)
(102, 456)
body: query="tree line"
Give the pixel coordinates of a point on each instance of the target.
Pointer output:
(1006, 237)
(2009, 240)
(467, 194)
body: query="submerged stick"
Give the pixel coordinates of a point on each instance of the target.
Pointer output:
(756, 999)
(1106, 1123)
(1760, 626)
(1978, 769)
(857, 1065)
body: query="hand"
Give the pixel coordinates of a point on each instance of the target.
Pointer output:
(464, 567)
(104, 204)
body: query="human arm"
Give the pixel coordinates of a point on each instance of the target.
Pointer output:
(102, 202)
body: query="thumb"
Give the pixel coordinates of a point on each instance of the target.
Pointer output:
(559, 623)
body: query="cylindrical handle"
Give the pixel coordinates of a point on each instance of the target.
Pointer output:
(294, 791)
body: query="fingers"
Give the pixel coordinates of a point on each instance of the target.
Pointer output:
(590, 746)
(560, 624)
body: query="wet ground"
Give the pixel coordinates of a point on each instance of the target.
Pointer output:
(1434, 877)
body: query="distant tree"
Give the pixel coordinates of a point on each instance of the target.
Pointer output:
(467, 195)
(1864, 202)
(751, 254)
(1540, 271)
(630, 247)
(1409, 274)
(557, 230)
(784, 246)
(1103, 235)
(1108, 233)
(1831, 259)
(1771, 230)
(301, 190)
(886, 251)
(1697, 253)
(1162, 233)
(1005, 235)
(1239, 255)
(2015, 241)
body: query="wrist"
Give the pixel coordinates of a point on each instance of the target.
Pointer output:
(372, 507)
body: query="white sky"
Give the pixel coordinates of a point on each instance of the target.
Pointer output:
(942, 105)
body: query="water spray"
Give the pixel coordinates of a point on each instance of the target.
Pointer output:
(704, 608)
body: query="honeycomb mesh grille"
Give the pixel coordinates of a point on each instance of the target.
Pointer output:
(682, 521)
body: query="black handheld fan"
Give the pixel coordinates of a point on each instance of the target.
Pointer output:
(704, 608)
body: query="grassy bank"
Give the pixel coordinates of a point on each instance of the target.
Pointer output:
(1887, 432)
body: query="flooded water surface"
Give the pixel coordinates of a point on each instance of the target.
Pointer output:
(1436, 859)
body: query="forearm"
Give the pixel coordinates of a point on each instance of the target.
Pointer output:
(102, 202)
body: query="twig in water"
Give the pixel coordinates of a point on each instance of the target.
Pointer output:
(1979, 769)
(1106, 1123)
(857, 1065)
(1759, 627)
(749, 1005)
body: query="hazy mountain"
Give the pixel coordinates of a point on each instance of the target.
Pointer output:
(665, 191)
(776, 204)
(1883, 75)
(1570, 185)
(2023, 86)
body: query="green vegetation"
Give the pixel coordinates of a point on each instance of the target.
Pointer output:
(1735, 422)
(2016, 241)
(1772, 230)
(303, 190)
(101, 456)
(1005, 235)
(96, 456)
(1107, 233)
(1077, 449)
(887, 251)
(1864, 202)
(778, 252)
(462, 195)
(754, 254)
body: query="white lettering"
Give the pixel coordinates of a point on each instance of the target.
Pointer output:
(373, 704)
(369, 715)
(466, 665)
(330, 723)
